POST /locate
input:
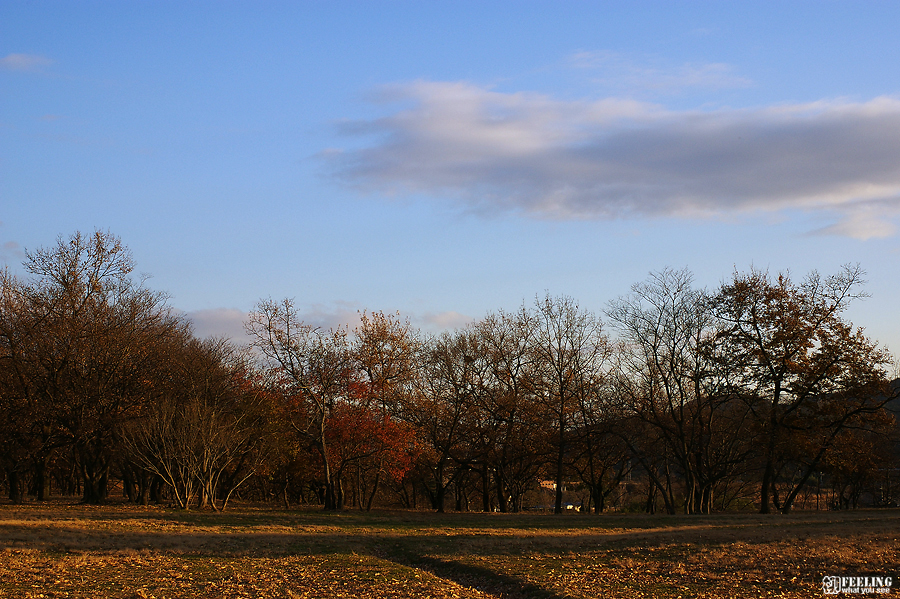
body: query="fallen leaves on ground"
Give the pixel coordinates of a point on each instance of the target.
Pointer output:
(138, 553)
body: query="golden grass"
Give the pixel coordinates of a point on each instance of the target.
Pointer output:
(68, 550)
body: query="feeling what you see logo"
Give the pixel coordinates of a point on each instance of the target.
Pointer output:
(857, 585)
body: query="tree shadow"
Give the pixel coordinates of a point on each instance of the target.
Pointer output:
(467, 575)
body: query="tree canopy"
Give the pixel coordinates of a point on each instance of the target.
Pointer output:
(751, 395)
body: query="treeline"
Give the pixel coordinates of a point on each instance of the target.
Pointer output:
(756, 394)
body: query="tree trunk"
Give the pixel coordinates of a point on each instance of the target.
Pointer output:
(502, 503)
(42, 478)
(374, 491)
(557, 508)
(485, 488)
(144, 490)
(16, 488)
(440, 488)
(96, 483)
(650, 508)
(156, 485)
(769, 474)
(330, 500)
(339, 492)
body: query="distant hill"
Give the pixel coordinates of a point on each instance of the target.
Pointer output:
(893, 405)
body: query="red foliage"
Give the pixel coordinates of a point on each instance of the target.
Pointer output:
(359, 434)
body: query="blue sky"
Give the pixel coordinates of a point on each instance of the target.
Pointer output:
(447, 159)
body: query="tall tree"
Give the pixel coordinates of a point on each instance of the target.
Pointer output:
(384, 352)
(671, 377)
(26, 433)
(570, 352)
(807, 371)
(516, 437)
(443, 406)
(90, 342)
(309, 369)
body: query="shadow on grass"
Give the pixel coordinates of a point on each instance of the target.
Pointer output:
(280, 535)
(468, 575)
(442, 546)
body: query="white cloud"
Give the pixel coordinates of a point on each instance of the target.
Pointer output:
(442, 321)
(625, 74)
(219, 322)
(869, 220)
(229, 322)
(11, 251)
(338, 314)
(611, 158)
(24, 62)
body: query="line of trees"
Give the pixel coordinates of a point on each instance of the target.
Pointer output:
(678, 398)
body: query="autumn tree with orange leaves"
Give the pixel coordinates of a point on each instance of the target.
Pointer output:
(384, 353)
(808, 373)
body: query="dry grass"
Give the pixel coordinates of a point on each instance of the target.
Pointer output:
(69, 550)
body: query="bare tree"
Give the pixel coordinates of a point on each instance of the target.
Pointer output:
(309, 368)
(602, 458)
(570, 353)
(204, 434)
(671, 378)
(516, 436)
(90, 341)
(26, 431)
(443, 408)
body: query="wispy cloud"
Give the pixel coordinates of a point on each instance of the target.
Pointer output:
(229, 322)
(24, 62)
(865, 220)
(610, 158)
(441, 321)
(627, 74)
(219, 322)
(11, 251)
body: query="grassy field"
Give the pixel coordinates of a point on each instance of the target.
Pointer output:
(68, 550)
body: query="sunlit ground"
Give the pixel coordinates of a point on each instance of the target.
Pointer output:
(64, 549)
